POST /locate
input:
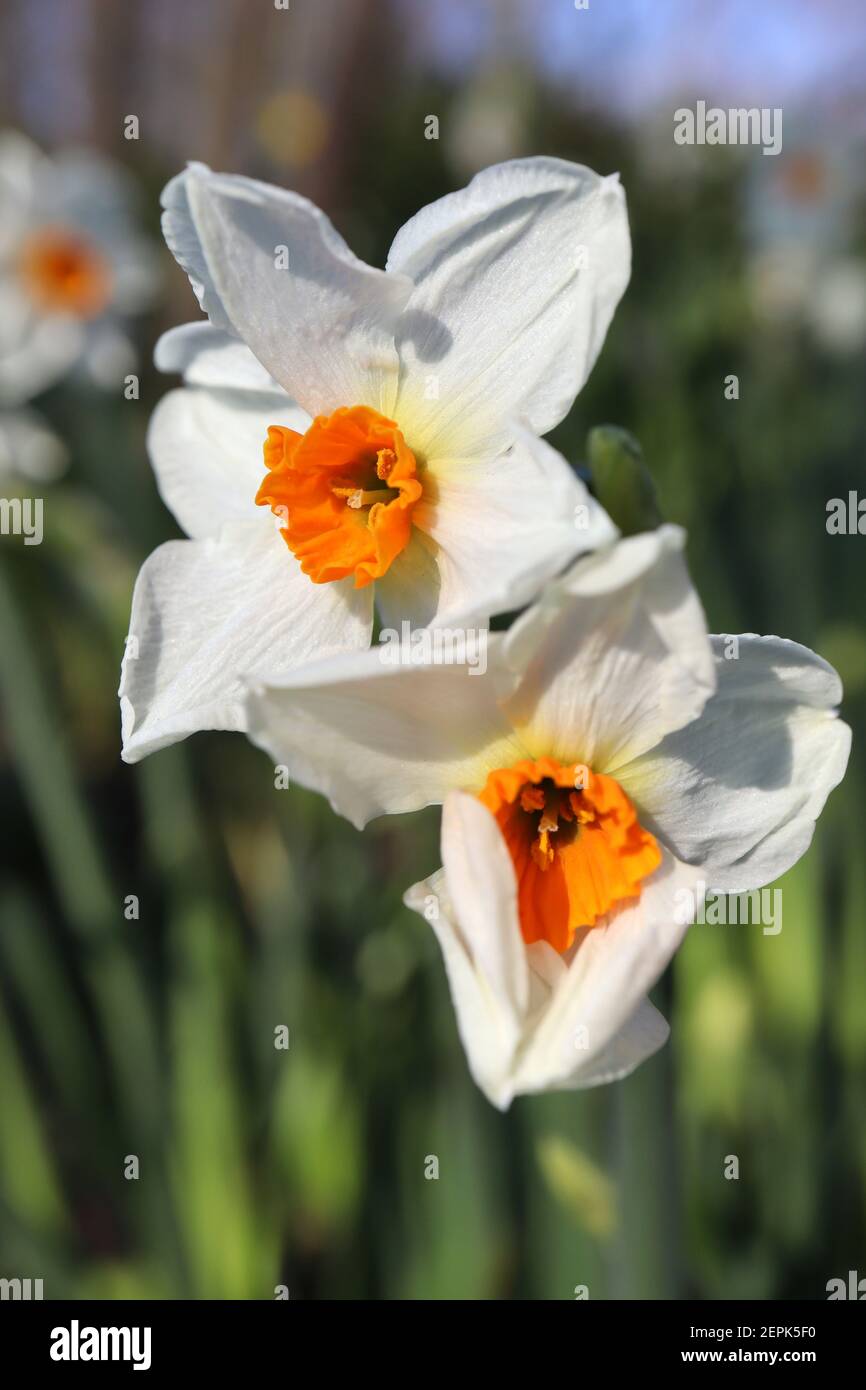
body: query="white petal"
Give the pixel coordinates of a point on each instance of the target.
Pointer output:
(613, 657)
(22, 169)
(184, 242)
(206, 356)
(36, 349)
(483, 892)
(578, 1039)
(409, 592)
(29, 449)
(109, 355)
(502, 527)
(323, 327)
(361, 729)
(640, 1036)
(738, 791)
(94, 194)
(137, 272)
(206, 451)
(480, 1022)
(516, 279)
(207, 615)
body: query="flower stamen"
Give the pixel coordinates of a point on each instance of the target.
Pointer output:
(356, 497)
(576, 853)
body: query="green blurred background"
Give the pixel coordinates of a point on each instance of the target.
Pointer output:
(258, 908)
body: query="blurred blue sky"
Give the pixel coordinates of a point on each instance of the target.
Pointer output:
(635, 54)
(633, 57)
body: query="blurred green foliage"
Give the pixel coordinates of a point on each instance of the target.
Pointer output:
(259, 908)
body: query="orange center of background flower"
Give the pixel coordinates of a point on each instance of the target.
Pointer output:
(575, 841)
(64, 274)
(345, 491)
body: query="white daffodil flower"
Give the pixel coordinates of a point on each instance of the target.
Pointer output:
(346, 432)
(73, 266)
(610, 763)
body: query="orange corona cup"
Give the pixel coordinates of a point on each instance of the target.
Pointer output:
(575, 842)
(64, 273)
(346, 490)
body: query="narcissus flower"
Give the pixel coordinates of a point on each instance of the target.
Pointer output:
(349, 435)
(611, 761)
(73, 267)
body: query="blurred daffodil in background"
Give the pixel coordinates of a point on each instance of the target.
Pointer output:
(74, 269)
